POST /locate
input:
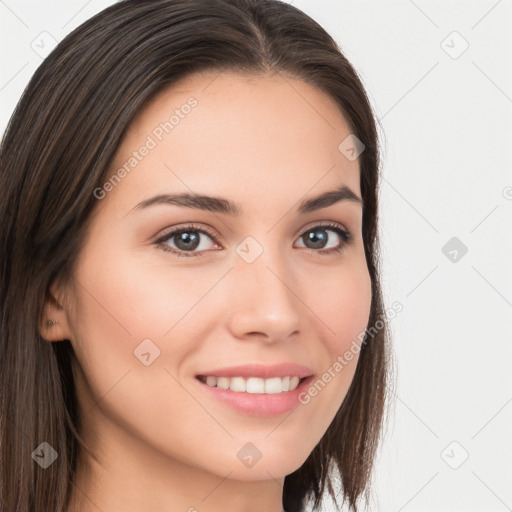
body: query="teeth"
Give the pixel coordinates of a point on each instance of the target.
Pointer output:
(211, 381)
(238, 384)
(223, 382)
(253, 384)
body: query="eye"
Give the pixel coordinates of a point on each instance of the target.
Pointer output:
(185, 240)
(318, 238)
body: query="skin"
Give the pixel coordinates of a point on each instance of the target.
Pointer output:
(266, 143)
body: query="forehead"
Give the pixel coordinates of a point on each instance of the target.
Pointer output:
(224, 132)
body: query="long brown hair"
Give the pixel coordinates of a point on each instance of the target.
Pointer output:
(57, 150)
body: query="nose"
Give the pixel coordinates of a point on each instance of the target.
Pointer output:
(263, 303)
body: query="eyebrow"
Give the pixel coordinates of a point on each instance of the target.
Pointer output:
(221, 205)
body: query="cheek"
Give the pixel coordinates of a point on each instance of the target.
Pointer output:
(342, 303)
(137, 298)
(128, 313)
(118, 306)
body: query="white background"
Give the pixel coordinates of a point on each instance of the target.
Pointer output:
(446, 125)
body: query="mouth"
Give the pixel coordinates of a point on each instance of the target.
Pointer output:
(253, 385)
(255, 396)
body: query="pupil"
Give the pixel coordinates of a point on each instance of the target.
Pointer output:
(318, 241)
(187, 241)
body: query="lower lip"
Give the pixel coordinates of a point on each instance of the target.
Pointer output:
(259, 404)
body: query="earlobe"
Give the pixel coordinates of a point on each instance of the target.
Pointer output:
(54, 325)
(51, 331)
(48, 331)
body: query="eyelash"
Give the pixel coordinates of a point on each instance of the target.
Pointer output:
(344, 234)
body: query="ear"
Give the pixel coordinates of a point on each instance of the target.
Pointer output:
(54, 324)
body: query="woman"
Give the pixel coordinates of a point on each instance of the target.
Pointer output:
(192, 313)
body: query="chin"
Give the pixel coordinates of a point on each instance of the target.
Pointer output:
(262, 470)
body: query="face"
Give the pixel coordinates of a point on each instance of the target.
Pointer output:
(275, 283)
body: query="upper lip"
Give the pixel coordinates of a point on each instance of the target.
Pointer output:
(260, 370)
